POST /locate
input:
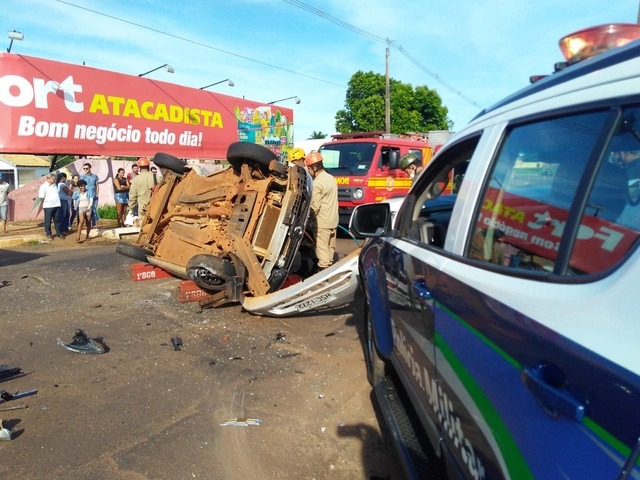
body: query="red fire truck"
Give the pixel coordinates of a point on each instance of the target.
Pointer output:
(365, 166)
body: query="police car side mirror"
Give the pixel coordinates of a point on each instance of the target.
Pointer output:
(370, 220)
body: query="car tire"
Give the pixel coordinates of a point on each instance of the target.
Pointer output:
(240, 153)
(210, 272)
(375, 364)
(169, 162)
(133, 251)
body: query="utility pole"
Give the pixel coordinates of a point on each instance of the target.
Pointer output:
(387, 96)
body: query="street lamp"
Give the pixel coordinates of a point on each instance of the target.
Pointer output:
(166, 66)
(14, 36)
(297, 100)
(229, 82)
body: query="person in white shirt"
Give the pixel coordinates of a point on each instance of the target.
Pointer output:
(83, 201)
(51, 205)
(4, 202)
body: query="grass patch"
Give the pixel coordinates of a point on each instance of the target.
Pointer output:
(107, 212)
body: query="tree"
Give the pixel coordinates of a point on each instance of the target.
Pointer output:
(317, 135)
(418, 110)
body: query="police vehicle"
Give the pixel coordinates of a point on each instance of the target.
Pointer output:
(502, 337)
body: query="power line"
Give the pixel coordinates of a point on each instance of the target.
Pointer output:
(433, 75)
(373, 36)
(195, 42)
(336, 20)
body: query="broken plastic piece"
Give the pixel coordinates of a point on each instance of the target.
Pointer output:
(241, 422)
(5, 434)
(6, 396)
(7, 372)
(176, 342)
(81, 343)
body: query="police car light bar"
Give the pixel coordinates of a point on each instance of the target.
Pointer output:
(589, 42)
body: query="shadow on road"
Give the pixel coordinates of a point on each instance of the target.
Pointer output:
(10, 257)
(371, 446)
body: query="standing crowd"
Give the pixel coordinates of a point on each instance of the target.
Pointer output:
(65, 201)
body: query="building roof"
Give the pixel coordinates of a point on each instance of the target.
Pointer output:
(26, 160)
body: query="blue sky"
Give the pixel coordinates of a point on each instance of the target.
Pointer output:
(475, 52)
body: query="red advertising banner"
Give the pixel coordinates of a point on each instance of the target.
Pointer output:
(536, 228)
(49, 107)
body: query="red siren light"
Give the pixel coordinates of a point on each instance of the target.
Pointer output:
(589, 42)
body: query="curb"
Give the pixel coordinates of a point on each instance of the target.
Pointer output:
(107, 233)
(17, 241)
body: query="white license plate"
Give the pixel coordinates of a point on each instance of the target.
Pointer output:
(316, 301)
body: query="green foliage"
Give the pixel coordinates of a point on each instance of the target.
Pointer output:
(317, 135)
(107, 211)
(412, 110)
(62, 160)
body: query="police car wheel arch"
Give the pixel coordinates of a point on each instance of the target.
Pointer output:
(375, 364)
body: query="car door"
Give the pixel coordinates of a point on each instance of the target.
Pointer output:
(412, 261)
(532, 316)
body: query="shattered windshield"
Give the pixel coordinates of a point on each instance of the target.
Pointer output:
(348, 158)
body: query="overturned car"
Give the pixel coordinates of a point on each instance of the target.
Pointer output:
(236, 231)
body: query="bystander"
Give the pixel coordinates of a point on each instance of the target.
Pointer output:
(48, 193)
(5, 187)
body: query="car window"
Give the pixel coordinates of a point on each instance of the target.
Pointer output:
(425, 216)
(538, 179)
(610, 224)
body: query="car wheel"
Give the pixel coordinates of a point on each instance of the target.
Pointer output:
(240, 153)
(169, 162)
(375, 363)
(132, 251)
(210, 272)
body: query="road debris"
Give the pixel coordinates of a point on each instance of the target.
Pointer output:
(6, 396)
(4, 433)
(176, 343)
(6, 283)
(241, 422)
(40, 279)
(289, 355)
(81, 343)
(7, 372)
(17, 407)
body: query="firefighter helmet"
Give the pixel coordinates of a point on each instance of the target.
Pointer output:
(406, 160)
(296, 154)
(312, 158)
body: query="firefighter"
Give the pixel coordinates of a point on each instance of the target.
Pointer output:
(324, 209)
(141, 186)
(297, 156)
(411, 164)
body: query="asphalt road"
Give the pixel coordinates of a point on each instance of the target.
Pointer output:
(143, 410)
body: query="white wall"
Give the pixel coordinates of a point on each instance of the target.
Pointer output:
(309, 145)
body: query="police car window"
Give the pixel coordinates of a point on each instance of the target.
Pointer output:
(435, 195)
(610, 224)
(532, 185)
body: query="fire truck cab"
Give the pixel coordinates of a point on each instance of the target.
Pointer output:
(365, 166)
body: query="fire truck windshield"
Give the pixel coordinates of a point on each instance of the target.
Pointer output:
(352, 158)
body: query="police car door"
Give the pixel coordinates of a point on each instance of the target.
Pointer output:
(414, 260)
(533, 311)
